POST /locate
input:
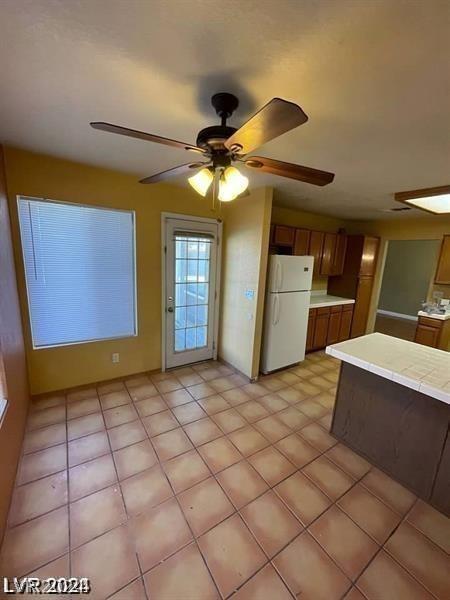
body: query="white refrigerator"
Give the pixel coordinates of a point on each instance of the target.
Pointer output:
(287, 310)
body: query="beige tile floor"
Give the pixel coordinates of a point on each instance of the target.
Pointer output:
(195, 485)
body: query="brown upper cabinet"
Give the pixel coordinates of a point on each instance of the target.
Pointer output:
(328, 254)
(443, 267)
(339, 254)
(316, 249)
(301, 243)
(283, 236)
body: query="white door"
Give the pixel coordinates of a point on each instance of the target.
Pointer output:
(290, 273)
(190, 302)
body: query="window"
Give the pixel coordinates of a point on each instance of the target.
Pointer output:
(80, 271)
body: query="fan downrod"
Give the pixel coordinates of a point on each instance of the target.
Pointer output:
(224, 104)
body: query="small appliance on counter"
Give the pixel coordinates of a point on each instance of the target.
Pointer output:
(286, 311)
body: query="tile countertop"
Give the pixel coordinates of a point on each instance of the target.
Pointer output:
(318, 300)
(418, 367)
(441, 317)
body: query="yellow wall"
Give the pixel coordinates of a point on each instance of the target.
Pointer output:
(421, 228)
(43, 176)
(307, 220)
(246, 243)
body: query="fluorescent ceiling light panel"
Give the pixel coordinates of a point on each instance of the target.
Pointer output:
(433, 200)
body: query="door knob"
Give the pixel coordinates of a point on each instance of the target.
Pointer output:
(170, 309)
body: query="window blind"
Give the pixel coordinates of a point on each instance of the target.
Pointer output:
(80, 271)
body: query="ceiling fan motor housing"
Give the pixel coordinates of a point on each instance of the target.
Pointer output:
(213, 138)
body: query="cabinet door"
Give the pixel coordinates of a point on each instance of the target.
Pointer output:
(311, 327)
(339, 254)
(316, 248)
(369, 256)
(361, 307)
(321, 330)
(345, 325)
(334, 326)
(426, 335)
(283, 236)
(443, 267)
(301, 243)
(329, 248)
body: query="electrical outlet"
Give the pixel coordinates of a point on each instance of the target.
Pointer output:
(115, 357)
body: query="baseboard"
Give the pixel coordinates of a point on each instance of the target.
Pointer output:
(389, 313)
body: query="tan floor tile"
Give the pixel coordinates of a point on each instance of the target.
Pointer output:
(349, 461)
(317, 369)
(108, 561)
(388, 490)
(372, 515)
(431, 523)
(126, 434)
(273, 403)
(95, 514)
(326, 421)
(354, 594)
(205, 505)
(265, 584)
(35, 543)
(120, 415)
(344, 541)
(272, 524)
(271, 465)
(326, 399)
(320, 382)
(159, 532)
(187, 413)
(56, 569)
(150, 406)
(170, 444)
(80, 408)
(229, 420)
(252, 411)
(210, 373)
(255, 390)
(82, 393)
(272, 429)
(48, 402)
(288, 377)
(242, 483)
(183, 575)
(326, 475)
(36, 498)
(158, 376)
(305, 499)
(219, 454)
(297, 450)
(110, 386)
(88, 447)
(200, 391)
(143, 391)
(145, 490)
(214, 404)
(189, 379)
(46, 416)
(42, 463)
(168, 385)
(231, 553)
(136, 380)
(385, 579)
(222, 384)
(421, 558)
(84, 426)
(318, 437)
(307, 389)
(177, 398)
(293, 418)
(160, 423)
(202, 431)
(186, 470)
(248, 440)
(309, 572)
(44, 438)
(114, 399)
(134, 459)
(312, 409)
(236, 378)
(91, 476)
(132, 591)
(272, 383)
(291, 395)
(236, 396)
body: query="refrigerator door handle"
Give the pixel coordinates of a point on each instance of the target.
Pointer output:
(281, 276)
(276, 310)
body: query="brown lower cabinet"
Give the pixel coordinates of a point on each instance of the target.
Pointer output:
(328, 325)
(433, 332)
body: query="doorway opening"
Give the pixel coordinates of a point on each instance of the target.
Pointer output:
(191, 280)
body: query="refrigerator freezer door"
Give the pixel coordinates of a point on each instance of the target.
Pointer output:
(286, 323)
(290, 273)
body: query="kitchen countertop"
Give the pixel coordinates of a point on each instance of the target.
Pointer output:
(323, 299)
(441, 317)
(421, 368)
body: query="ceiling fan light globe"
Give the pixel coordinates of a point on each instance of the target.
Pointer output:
(201, 181)
(235, 179)
(225, 191)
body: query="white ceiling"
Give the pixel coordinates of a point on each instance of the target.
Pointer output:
(373, 76)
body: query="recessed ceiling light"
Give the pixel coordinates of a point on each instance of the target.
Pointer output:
(433, 200)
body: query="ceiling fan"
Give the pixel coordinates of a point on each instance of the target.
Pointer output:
(221, 145)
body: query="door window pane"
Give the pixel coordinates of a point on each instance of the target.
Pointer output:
(179, 340)
(190, 338)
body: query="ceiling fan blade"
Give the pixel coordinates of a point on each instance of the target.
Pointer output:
(142, 135)
(285, 169)
(272, 120)
(174, 172)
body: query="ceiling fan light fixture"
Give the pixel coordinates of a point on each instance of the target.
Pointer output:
(433, 200)
(231, 184)
(201, 181)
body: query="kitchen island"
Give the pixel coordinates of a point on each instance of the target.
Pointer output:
(393, 407)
